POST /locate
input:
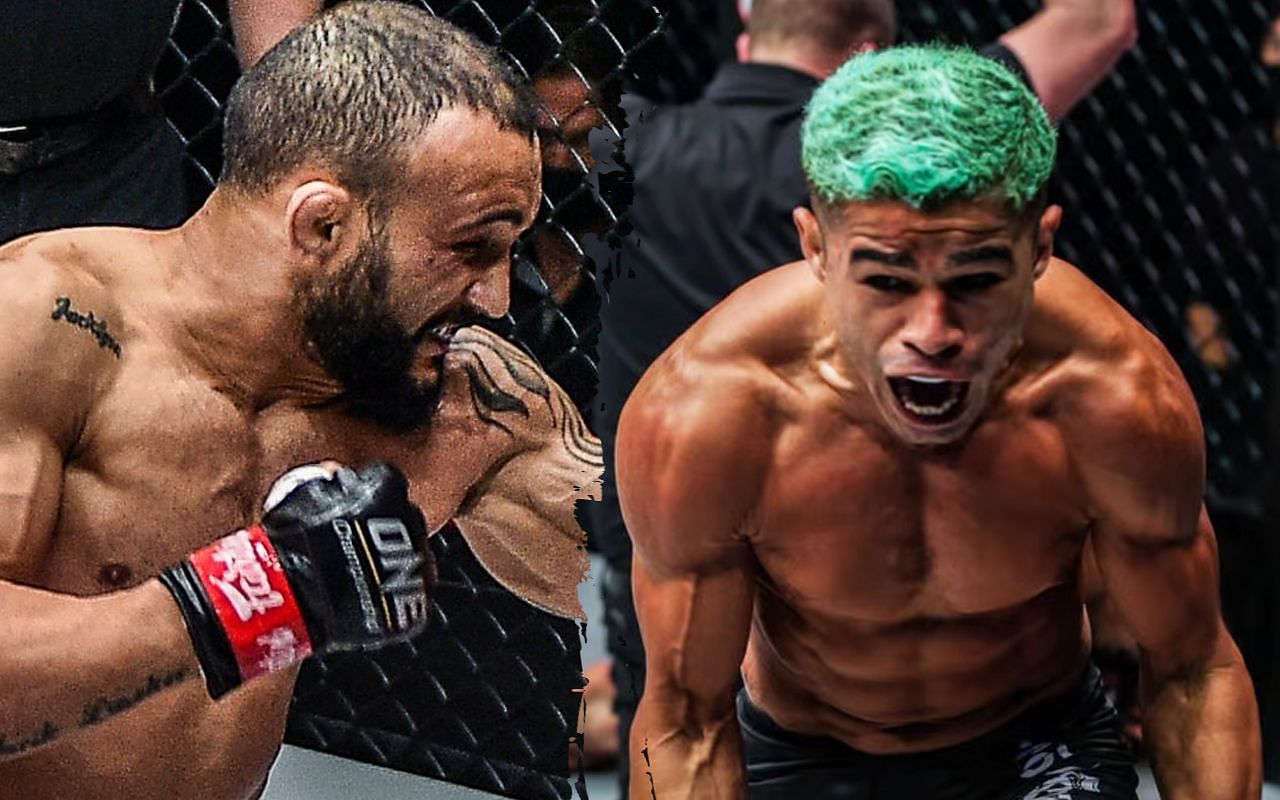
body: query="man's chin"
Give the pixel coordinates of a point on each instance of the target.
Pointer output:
(914, 432)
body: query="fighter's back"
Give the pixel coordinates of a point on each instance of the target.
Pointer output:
(904, 598)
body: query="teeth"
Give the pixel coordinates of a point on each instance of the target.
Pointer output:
(930, 411)
(927, 396)
(924, 379)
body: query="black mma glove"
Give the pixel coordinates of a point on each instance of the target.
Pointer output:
(338, 563)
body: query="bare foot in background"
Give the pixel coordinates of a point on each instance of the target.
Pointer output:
(600, 726)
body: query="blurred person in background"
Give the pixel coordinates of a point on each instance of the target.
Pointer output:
(1232, 241)
(83, 139)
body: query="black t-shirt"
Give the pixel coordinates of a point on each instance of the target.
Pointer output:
(65, 57)
(715, 184)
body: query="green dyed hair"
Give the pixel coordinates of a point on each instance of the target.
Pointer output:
(926, 125)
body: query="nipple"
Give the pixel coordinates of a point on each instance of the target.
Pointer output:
(115, 575)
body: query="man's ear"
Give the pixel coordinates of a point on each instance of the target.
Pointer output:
(1046, 228)
(811, 243)
(320, 216)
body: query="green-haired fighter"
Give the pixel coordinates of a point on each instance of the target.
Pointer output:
(873, 482)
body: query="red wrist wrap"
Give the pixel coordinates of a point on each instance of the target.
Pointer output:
(251, 596)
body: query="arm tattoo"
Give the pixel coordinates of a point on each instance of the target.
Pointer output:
(490, 400)
(97, 711)
(582, 445)
(47, 733)
(105, 707)
(62, 310)
(487, 397)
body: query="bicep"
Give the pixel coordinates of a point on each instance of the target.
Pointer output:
(692, 573)
(30, 491)
(1165, 589)
(692, 454)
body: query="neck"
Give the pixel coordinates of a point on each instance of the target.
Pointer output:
(232, 292)
(809, 60)
(809, 64)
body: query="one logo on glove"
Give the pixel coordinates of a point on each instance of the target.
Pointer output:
(251, 596)
(404, 594)
(396, 573)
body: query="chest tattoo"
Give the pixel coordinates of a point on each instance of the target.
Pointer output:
(62, 310)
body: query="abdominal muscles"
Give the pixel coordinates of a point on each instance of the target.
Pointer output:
(913, 684)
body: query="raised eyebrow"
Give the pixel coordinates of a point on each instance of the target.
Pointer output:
(888, 258)
(992, 252)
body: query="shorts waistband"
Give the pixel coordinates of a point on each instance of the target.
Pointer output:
(1051, 712)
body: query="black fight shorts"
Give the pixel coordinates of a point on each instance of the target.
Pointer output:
(1063, 748)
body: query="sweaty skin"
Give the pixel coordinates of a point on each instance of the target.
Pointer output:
(905, 598)
(115, 466)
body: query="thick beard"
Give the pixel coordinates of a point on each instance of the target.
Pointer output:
(347, 317)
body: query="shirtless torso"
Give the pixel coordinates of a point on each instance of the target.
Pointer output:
(127, 455)
(957, 571)
(899, 599)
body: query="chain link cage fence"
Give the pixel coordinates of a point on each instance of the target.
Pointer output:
(488, 696)
(1169, 176)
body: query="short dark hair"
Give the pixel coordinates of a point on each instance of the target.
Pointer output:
(834, 26)
(353, 88)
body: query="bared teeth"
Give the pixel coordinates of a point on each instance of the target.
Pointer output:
(931, 411)
(927, 396)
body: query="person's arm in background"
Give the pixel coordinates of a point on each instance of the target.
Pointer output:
(1069, 46)
(259, 24)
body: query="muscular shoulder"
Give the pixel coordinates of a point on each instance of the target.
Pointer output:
(693, 450)
(60, 344)
(1127, 414)
(499, 411)
(506, 390)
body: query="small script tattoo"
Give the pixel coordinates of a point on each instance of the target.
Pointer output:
(62, 310)
(97, 711)
(106, 707)
(47, 733)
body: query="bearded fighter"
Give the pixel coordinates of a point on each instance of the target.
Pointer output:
(866, 483)
(379, 166)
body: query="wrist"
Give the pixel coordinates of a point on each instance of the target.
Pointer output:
(239, 608)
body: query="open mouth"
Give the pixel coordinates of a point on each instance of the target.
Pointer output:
(929, 401)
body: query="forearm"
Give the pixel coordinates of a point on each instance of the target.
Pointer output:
(1201, 731)
(1070, 46)
(68, 663)
(259, 24)
(673, 761)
